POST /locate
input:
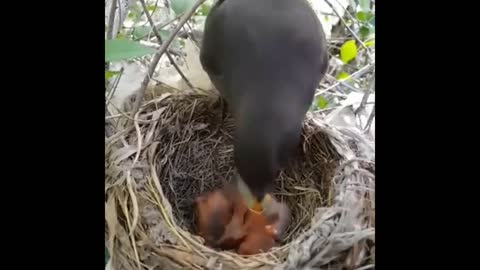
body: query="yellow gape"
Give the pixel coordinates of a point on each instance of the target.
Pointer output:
(252, 204)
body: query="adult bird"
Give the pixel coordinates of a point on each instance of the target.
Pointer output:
(266, 58)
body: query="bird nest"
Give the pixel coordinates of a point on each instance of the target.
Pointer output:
(179, 147)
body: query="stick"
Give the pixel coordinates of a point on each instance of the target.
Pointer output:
(158, 55)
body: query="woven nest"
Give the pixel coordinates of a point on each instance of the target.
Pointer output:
(178, 148)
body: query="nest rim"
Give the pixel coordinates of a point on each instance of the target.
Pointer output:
(273, 258)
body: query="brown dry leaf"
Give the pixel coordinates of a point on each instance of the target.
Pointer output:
(111, 218)
(153, 127)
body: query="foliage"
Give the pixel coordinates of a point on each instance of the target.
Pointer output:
(348, 51)
(352, 46)
(121, 49)
(107, 256)
(180, 6)
(353, 52)
(127, 46)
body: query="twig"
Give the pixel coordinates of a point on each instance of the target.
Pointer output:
(370, 266)
(348, 13)
(158, 55)
(153, 11)
(348, 27)
(362, 104)
(355, 74)
(109, 97)
(173, 51)
(111, 19)
(160, 25)
(114, 87)
(159, 38)
(370, 120)
(332, 108)
(191, 34)
(367, 94)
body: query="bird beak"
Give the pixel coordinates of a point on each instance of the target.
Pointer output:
(252, 203)
(246, 194)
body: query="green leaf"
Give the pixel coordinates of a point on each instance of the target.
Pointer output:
(107, 256)
(164, 34)
(141, 31)
(180, 6)
(322, 103)
(370, 43)
(365, 5)
(117, 49)
(204, 9)
(109, 74)
(364, 32)
(151, 8)
(348, 51)
(364, 16)
(343, 75)
(121, 36)
(135, 13)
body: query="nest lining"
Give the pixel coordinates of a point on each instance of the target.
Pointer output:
(186, 150)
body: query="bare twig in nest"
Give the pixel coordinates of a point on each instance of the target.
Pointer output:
(158, 55)
(159, 38)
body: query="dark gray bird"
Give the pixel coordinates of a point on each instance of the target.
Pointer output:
(266, 58)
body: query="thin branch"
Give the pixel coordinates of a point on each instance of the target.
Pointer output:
(111, 19)
(114, 86)
(112, 122)
(370, 120)
(170, 58)
(159, 38)
(362, 104)
(348, 13)
(191, 34)
(111, 22)
(160, 25)
(158, 55)
(367, 95)
(348, 27)
(358, 73)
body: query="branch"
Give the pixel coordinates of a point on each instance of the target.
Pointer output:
(158, 55)
(159, 38)
(111, 19)
(357, 73)
(348, 27)
(370, 120)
